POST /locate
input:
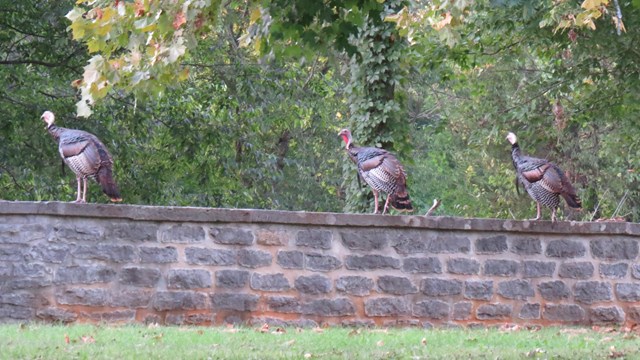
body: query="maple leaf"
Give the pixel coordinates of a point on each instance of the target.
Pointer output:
(179, 20)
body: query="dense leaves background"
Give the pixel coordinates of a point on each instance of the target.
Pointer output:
(264, 93)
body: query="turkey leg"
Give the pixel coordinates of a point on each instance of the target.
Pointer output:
(84, 191)
(553, 215)
(375, 201)
(78, 199)
(538, 211)
(386, 205)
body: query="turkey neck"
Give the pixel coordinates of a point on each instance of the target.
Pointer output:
(515, 154)
(55, 132)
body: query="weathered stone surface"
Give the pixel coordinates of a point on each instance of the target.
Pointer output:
(500, 267)
(182, 234)
(27, 283)
(199, 319)
(6, 269)
(317, 239)
(52, 314)
(273, 237)
(232, 279)
(21, 233)
(366, 240)
(515, 289)
(386, 306)
(137, 276)
(52, 253)
(24, 270)
(185, 279)
(106, 252)
(13, 253)
(396, 285)
(589, 292)
(536, 269)
(89, 274)
(422, 265)
(440, 287)
(15, 312)
(565, 249)
(134, 232)
(238, 302)
(633, 312)
(448, 244)
(563, 312)
(371, 262)
(329, 307)
(22, 299)
(628, 291)
(81, 296)
(313, 284)
(231, 236)
(463, 266)
(526, 246)
(529, 311)
(111, 316)
(576, 270)
(355, 285)
(254, 258)
(412, 243)
(606, 315)
(320, 262)
(284, 304)
(134, 298)
(158, 255)
(180, 300)
(77, 233)
(432, 309)
(554, 290)
(493, 311)
(290, 259)
(635, 271)
(269, 282)
(462, 310)
(205, 256)
(478, 290)
(613, 271)
(614, 249)
(491, 245)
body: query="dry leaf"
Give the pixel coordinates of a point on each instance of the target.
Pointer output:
(290, 342)
(279, 330)
(380, 343)
(88, 339)
(606, 339)
(307, 355)
(66, 338)
(614, 354)
(423, 341)
(179, 20)
(318, 330)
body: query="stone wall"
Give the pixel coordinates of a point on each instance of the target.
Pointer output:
(121, 263)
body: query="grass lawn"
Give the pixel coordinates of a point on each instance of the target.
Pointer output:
(35, 341)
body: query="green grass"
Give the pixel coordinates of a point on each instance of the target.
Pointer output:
(138, 342)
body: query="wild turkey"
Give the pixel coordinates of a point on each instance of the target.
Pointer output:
(543, 180)
(382, 172)
(86, 155)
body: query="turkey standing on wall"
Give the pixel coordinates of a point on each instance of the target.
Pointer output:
(86, 155)
(382, 171)
(543, 180)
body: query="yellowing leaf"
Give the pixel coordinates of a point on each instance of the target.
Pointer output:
(444, 22)
(593, 4)
(255, 15)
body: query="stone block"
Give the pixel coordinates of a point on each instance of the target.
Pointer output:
(365, 240)
(500, 267)
(440, 287)
(320, 262)
(51, 253)
(269, 282)
(563, 313)
(576, 270)
(462, 310)
(182, 234)
(232, 279)
(185, 279)
(463, 266)
(313, 284)
(613, 271)
(284, 304)
(526, 246)
(206, 256)
(56, 315)
(106, 252)
(386, 306)
(396, 285)
(554, 290)
(130, 298)
(478, 290)
(28, 283)
(158, 255)
(14, 312)
(633, 312)
(88, 274)
(565, 249)
(449, 244)
(491, 245)
(137, 276)
(412, 243)
(422, 265)
(27, 270)
(290, 259)
(180, 300)
(132, 231)
(22, 299)
(529, 311)
(237, 302)
(614, 249)
(371, 262)
(493, 312)
(112, 316)
(6, 269)
(431, 309)
(635, 271)
(515, 289)
(82, 296)
(354, 285)
(316, 239)
(329, 307)
(589, 292)
(254, 258)
(13, 253)
(272, 237)
(606, 315)
(536, 269)
(77, 233)
(22, 233)
(628, 291)
(231, 236)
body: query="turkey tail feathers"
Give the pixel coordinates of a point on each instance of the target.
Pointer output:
(572, 200)
(401, 201)
(109, 187)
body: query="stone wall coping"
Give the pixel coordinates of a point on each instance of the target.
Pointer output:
(303, 218)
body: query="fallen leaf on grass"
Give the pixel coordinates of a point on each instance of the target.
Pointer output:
(379, 330)
(264, 328)
(354, 332)
(307, 355)
(88, 339)
(423, 341)
(535, 352)
(318, 330)
(380, 343)
(159, 336)
(66, 338)
(606, 339)
(614, 354)
(200, 332)
(290, 342)
(279, 331)
(574, 331)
